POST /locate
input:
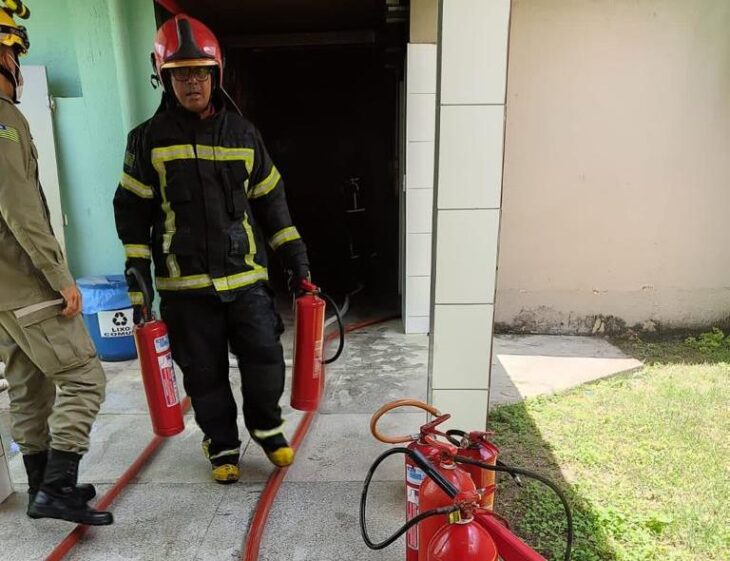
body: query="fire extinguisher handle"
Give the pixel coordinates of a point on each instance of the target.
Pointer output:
(147, 298)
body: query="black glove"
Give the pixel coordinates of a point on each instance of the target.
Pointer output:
(138, 314)
(297, 275)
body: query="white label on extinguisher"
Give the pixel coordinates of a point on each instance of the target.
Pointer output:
(167, 378)
(412, 512)
(414, 475)
(317, 368)
(162, 344)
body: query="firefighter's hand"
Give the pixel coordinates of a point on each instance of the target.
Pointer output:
(296, 277)
(138, 314)
(72, 296)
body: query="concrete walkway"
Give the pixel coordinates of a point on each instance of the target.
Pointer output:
(173, 511)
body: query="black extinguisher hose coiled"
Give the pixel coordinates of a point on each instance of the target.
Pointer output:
(340, 325)
(514, 472)
(430, 471)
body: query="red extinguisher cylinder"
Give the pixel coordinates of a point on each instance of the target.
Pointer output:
(432, 496)
(414, 480)
(307, 379)
(462, 541)
(481, 449)
(158, 377)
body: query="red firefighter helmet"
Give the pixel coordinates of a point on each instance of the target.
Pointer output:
(185, 41)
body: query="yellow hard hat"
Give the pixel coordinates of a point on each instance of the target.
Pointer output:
(12, 34)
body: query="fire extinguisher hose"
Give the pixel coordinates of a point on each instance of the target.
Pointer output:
(266, 500)
(395, 405)
(514, 471)
(340, 325)
(428, 468)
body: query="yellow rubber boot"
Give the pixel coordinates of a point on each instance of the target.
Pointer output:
(281, 457)
(226, 474)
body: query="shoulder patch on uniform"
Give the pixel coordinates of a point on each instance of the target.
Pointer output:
(9, 133)
(129, 159)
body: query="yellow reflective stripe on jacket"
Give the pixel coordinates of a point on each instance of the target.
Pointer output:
(183, 283)
(137, 187)
(203, 152)
(267, 185)
(140, 251)
(164, 154)
(224, 154)
(221, 284)
(283, 236)
(250, 258)
(172, 266)
(240, 280)
(136, 298)
(159, 157)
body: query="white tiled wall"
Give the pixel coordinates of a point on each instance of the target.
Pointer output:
(419, 211)
(468, 408)
(474, 55)
(419, 165)
(421, 117)
(6, 487)
(470, 156)
(418, 303)
(420, 148)
(421, 69)
(462, 337)
(466, 227)
(466, 253)
(418, 255)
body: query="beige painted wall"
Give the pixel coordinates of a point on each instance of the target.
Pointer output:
(617, 165)
(424, 21)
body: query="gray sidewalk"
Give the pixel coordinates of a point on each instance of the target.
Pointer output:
(173, 510)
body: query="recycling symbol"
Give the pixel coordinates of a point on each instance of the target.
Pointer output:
(119, 319)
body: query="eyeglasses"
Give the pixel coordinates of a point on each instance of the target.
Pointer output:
(197, 73)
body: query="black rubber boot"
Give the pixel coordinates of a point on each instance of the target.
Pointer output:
(35, 467)
(58, 496)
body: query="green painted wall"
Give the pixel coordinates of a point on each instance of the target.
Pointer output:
(97, 55)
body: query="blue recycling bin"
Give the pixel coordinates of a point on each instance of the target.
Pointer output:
(107, 313)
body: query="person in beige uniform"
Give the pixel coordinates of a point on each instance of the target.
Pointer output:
(56, 382)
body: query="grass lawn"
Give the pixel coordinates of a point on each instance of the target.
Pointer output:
(644, 457)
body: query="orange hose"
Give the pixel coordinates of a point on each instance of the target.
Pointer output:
(60, 551)
(394, 405)
(261, 515)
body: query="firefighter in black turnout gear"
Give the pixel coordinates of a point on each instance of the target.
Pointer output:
(200, 197)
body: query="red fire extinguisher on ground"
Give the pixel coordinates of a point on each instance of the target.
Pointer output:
(474, 533)
(307, 371)
(462, 537)
(158, 374)
(433, 496)
(414, 475)
(477, 446)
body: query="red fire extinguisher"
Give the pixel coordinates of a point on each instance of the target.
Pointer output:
(158, 374)
(414, 475)
(433, 496)
(476, 445)
(462, 538)
(307, 373)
